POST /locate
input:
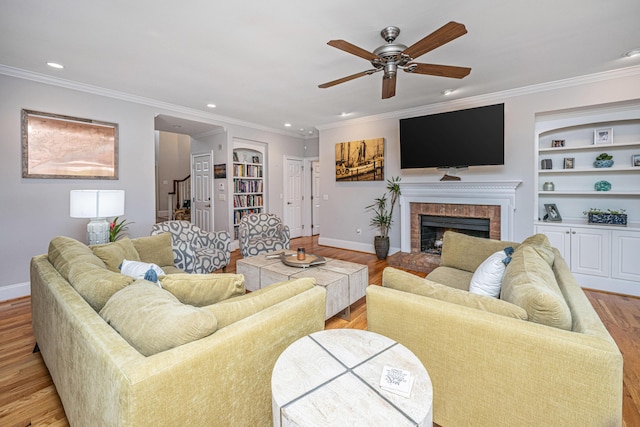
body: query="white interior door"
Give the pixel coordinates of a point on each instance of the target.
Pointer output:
(201, 208)
(294, 196)
(315, 197)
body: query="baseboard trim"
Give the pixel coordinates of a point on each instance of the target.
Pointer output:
(17, 290)
(352, 246)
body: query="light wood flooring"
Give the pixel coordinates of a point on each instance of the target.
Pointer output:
(28, 397)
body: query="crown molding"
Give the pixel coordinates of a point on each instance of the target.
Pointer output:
(122, 96)
(490, 97)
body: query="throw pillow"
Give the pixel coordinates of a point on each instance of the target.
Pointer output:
(155, 249)
(96, 284)
(203, 289)
(487, 279)
(114, 253)
(141, 270)
(153, 320)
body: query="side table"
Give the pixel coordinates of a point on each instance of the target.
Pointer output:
(332, 378)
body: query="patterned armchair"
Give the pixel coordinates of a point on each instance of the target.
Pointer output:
(195, 250)
(261, 232)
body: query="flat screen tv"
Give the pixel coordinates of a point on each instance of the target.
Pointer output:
(471, 137)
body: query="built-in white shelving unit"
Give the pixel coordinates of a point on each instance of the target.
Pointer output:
(248, 182)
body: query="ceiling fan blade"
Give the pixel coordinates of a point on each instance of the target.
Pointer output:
(443, 35)
(438, 70)
(352, 49)
(388, 87)
(346, 79)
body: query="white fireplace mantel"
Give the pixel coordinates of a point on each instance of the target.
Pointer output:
(500, 193)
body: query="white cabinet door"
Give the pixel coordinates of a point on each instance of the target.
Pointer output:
(559, 237)
(590, 251)
(625, 255)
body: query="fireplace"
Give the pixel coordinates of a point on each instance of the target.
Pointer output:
(433, 227)
(492, 201)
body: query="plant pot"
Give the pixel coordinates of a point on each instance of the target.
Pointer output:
(381, 245)
(603, 163)
(607, 218)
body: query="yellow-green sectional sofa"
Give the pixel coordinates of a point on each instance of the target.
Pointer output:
(537, 356)
(205, 365)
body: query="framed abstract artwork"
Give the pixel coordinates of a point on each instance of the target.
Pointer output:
(63, 147)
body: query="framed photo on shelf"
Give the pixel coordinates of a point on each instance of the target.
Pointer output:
(603, 136)
(553, 214)
(235, 157)
(568, 162)
(255, 159)
(635, 160)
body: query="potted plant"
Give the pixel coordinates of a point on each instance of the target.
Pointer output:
(604, 160)
(612, 217)
(383, 216)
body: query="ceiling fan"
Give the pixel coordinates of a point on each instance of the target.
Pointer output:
(391, 56)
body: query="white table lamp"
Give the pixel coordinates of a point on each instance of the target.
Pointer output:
(97, 205)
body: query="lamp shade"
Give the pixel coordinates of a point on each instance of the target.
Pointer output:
(96, 203)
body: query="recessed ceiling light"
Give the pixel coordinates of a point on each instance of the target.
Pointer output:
(287, 125)
(447, 92)
(55, 65)
(344, 114)
(211, 105)
(632, 53)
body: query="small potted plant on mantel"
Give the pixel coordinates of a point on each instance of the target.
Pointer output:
(383, 216)
(599, 216)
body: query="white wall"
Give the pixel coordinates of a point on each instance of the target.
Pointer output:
(349, 199)
(33, 211)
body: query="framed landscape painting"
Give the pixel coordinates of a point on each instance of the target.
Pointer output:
(57, 146)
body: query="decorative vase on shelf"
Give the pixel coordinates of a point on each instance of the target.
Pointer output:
(603, 163)
(602, 186)
(548, 186)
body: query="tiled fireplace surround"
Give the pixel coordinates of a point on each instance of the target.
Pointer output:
(494, 200)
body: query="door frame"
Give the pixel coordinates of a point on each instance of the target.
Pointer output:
(308, 205)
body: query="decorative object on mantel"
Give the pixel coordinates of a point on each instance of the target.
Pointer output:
(604, 160)
(603, 136)
(602, 186)
(598, 216)
(548, 186)
(553, 214)
(547, 164)
(383, 218)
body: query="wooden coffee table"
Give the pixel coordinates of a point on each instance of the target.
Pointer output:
(345, 282)
(332, 378)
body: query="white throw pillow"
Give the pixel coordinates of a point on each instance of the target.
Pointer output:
(141, 270)
(487, 279)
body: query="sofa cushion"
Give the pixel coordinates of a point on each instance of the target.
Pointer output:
(96, 284)
(203, 289)
(407, 282)
(155, 249)
(153, 320)
(540, 243)
(451, 277)
(65, 251)
(238, 308)
(530, 283)
(112, 254)
(487, 279)
(467, 252)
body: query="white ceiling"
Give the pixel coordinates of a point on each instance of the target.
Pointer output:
(261, 61)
